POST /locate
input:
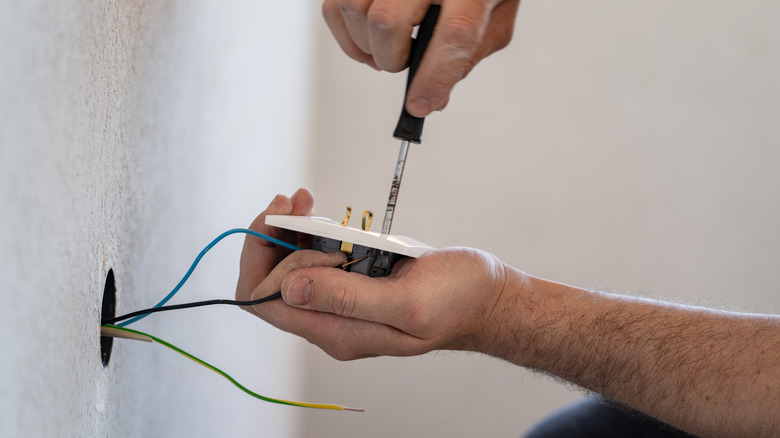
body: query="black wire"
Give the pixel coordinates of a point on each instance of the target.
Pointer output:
(205, 303)
(190, 305)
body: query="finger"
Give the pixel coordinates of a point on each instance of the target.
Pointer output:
(259, 256)
(389, 26)
(345, 338)
(303, 204)
(499, 32)
(456, 39)
(346, 294)
(354, 13)
(349, 339)
(331, 12)
(302, 259)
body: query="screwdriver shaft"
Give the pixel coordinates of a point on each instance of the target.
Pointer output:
(396, 185)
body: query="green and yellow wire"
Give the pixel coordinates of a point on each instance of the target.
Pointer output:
(232, 380)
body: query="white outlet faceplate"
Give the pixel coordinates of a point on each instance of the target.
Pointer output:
(321, 226)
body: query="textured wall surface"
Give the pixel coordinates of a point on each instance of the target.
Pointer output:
(134, 132)
(627, 146)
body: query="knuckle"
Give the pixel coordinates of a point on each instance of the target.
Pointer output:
(503, 40)
(355, 52)
(343, 302)
(341, 354)
(303, 259)
(342, 351)
(382, 19)
(419, 318)
(439, 86)
(309, 259)
(416, 323)
(461, 32)
(350, 8)
(278, 199)
(330, 10)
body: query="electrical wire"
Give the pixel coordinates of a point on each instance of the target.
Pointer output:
(190, 305)
(160, 307)
(138, 314)
(232, 380)
(200, 256)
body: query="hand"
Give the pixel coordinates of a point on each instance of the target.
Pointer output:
(259, 256)
(378, 33)
(446, 299)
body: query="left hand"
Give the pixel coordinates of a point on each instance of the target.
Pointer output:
(446, 299)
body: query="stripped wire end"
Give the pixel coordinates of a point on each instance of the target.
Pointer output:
(344, 265)
(117, 333)
(353, 409)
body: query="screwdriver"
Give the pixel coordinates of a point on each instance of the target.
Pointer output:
(409, 127)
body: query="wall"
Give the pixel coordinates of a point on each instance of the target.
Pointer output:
(624, 146)
(133, 132)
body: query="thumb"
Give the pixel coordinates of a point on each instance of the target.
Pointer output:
(342, 293)
(297, 260)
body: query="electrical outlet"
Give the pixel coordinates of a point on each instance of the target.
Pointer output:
(371, 253)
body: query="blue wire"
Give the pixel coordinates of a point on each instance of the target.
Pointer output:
(200, 256)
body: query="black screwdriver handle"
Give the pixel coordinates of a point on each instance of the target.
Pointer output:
(410, 127)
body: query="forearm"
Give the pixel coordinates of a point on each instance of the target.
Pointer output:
(708, 372)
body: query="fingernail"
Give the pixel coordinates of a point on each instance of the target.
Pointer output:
(420, 106)
(299, 292)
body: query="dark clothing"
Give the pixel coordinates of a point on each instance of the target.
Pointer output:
(597, 417)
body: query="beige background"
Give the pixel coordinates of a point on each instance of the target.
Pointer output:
(626, 146)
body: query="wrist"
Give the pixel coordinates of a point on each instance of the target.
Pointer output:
(501, 330)
(529, 319)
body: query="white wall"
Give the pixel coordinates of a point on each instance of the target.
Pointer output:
(133, 133)
(628, 146)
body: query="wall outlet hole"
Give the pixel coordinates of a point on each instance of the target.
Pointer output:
(107, 311)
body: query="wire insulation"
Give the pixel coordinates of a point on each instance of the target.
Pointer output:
(200, 256)
(160, 307)
(232, 380)
(191, 305)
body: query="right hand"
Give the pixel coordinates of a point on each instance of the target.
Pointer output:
(378, 33)
(260, 256)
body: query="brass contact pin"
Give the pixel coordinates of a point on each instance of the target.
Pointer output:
(346, 247)
(368, 217)
(346, 218)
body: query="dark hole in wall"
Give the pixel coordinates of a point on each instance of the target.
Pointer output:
(107, 311)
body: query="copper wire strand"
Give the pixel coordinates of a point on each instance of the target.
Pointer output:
(344, 266)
